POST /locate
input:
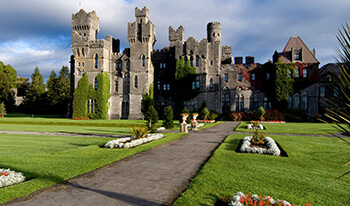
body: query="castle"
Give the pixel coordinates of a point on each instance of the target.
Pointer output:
(226, 83)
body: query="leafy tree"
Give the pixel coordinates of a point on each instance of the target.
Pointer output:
(34, 100)
(168, 122)
(185, 75)
(81, 95)
(8, 77)
(2, 109)
(152, 118)
(51, 89)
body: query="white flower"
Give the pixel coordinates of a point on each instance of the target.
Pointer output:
(10, 179)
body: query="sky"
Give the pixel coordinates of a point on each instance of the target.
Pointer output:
(37, 33)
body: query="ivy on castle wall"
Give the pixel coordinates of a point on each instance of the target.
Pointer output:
(86, 91)
(284, 83)
(102, 95)
(81, 96)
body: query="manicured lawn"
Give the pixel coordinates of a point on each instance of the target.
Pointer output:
(46, 160)
(313, 164)
(292, 128)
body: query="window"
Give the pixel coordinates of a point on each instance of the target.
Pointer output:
(79, 64)
(267, 104)
(158, 85)
(297, 73)
(82, 64)
(297, 56)
(322, 91)
(119, 65)
(161, 65)
(95, 83)
(329, 78)
(193, 85)
(241, 104)
(197, 61)
(304, 72)
(296, 102)
(239, 76)
(211, 83)
(168, 87)
(289, 73)
(267, 75)
(136, 83)
(226, 77)
(253, 76)
(164, 87)
(164, 65)
(127, 65)
(335, 92)
(304, 102)
(143, 60)
(198, 84)
(91, 106)
(96, 61)
(191, 62)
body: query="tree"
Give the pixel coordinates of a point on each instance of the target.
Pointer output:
(8, 77)
(152, 118)
(51, 89)
(185, 75)
(147, 99)
(63, 90)
(81, 95)
(34, 99)
(2, 109)
(168, 122)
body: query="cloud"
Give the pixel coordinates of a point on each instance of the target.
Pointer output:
(38, 32)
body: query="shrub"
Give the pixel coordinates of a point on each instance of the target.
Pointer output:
(81, 97)
(213, 115)
(204, 113)
(152, 118)
(261, 112)
(168, 118)
(273, 115)
(2, 109)
(258, 139)
(139, 132)
(236, 116)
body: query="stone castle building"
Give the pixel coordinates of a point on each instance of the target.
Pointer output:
(227, 84)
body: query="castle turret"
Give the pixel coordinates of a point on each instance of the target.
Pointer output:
(86, 25)
(176, 35)
(214, 31)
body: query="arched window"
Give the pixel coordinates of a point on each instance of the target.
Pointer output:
(96, 61)
(128, 65)
(197, 61)
(191, 61)
(143, 60)
(136, 83)
(211, 83)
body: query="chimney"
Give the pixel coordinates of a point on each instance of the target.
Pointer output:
(249, 59)
(238, 60)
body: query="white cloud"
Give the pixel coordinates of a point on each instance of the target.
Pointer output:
(37, 32)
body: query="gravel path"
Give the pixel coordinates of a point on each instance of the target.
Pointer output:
(153, 177)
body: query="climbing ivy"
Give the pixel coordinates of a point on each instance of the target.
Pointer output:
(284, 83)
(102, 95)
(81, 96)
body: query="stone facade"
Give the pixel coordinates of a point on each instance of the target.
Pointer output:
(226, 83)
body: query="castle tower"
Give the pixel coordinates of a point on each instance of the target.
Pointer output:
(176, 36)
(141, 36)
(214, 31)
(86, 25)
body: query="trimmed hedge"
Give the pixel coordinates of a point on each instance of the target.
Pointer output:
(81, 95)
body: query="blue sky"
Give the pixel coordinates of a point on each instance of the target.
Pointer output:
(38, 32)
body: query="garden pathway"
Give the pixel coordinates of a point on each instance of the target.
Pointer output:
(153, 177)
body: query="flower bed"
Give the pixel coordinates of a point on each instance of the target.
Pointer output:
(240, 199)
(77, 118)
(250, 126)
(8, 177)
(271, 122)
(270, 144)
(206, 121)
(128, 142)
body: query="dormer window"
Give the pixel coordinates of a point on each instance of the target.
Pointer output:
(297, 55)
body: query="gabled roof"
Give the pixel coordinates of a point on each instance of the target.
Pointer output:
(295, 44)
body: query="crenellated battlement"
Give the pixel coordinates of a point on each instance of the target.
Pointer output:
(142, 14)
(214, 31)
(176, 35)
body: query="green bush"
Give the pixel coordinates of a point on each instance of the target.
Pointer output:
(204, 113)
(139, 131)
(152, 118)
(102, 95)
(213, 115)
(168, 118)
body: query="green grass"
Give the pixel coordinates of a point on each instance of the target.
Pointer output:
(46, 160)
(313, 164)
(293, 128)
